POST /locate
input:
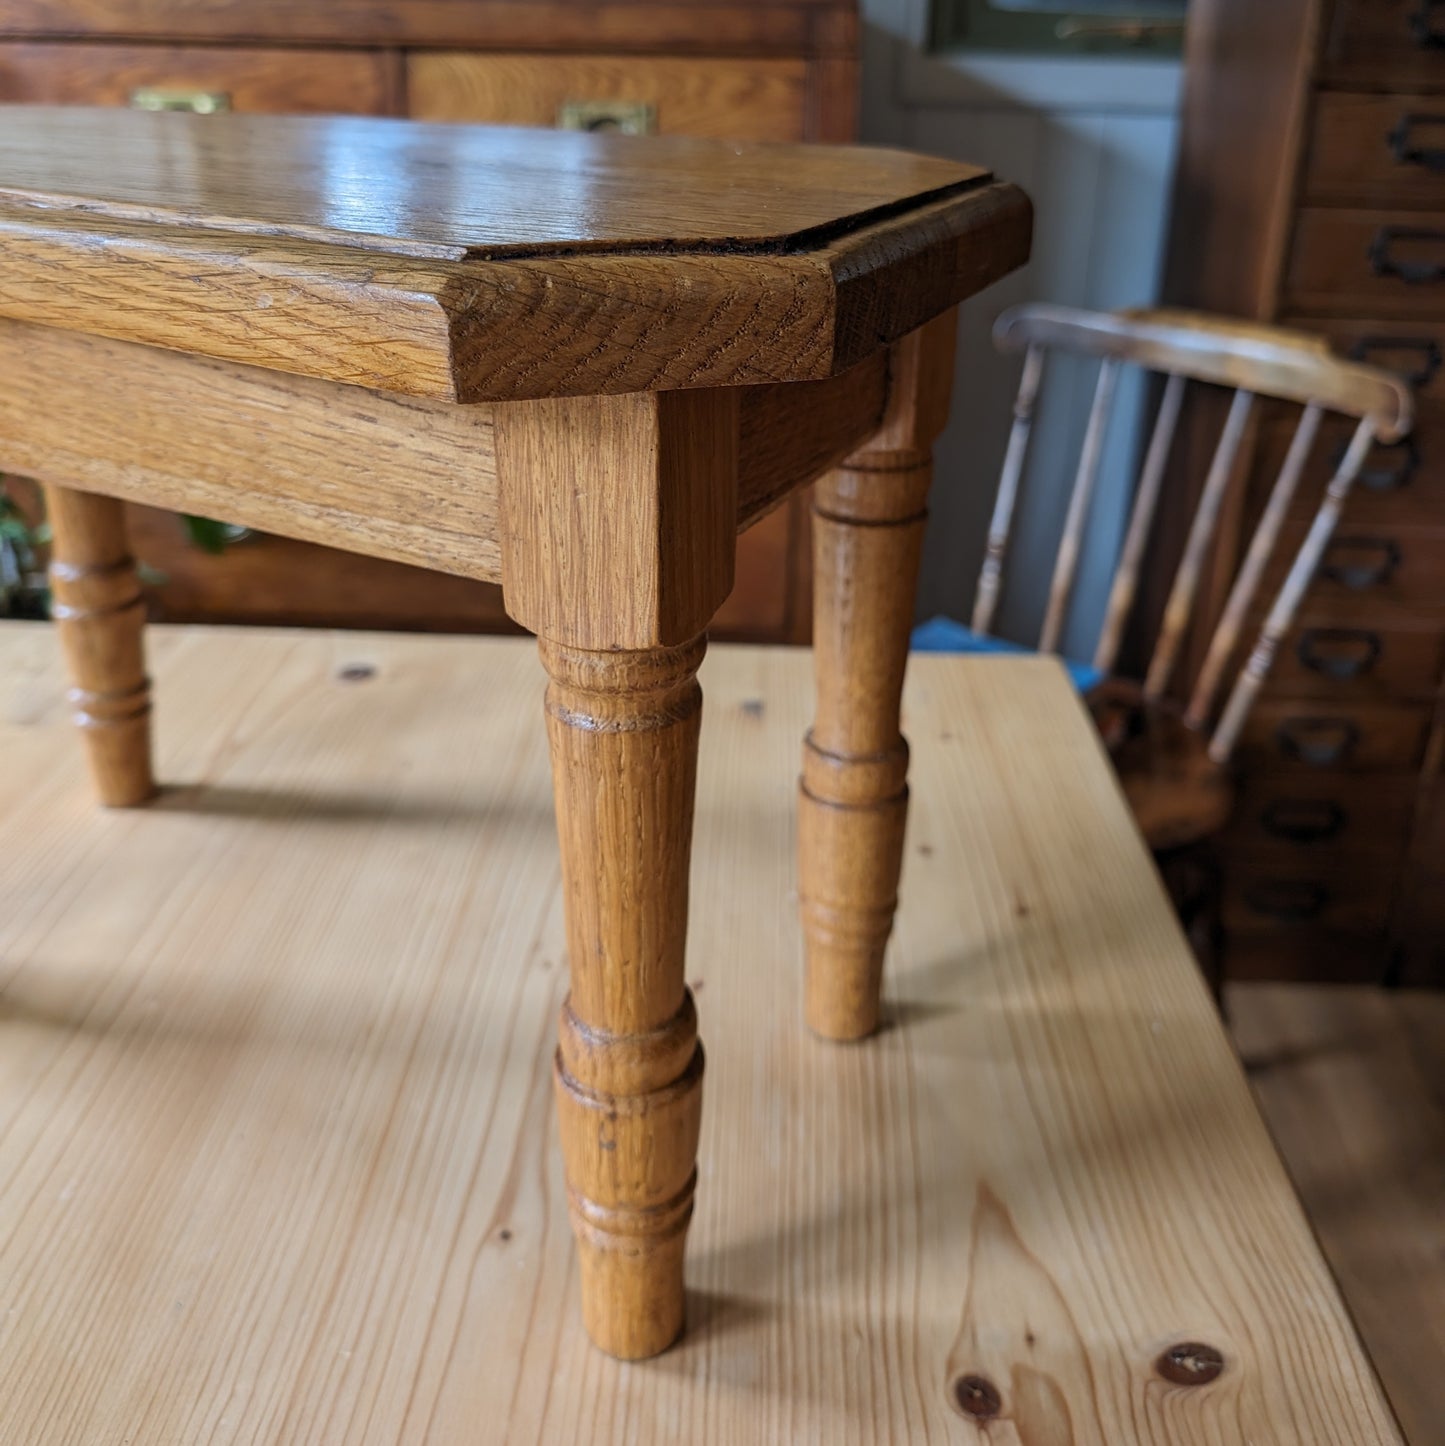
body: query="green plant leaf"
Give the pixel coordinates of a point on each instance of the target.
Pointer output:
(209, 536)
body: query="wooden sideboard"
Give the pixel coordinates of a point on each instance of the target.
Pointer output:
(744, 69)
(1311, 192)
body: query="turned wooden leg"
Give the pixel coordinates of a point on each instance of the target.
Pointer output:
(100, 614)
(623, 729)
(619, 528)
(868, 520)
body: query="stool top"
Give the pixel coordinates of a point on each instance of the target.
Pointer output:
(450, 192)
(485, 262)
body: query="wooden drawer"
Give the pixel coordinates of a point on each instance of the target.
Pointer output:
(1377, 150)
(346, 81)
(1354, 263)
(1330, 656)
(1312, 952)
(275, 580)
(1386, 42)
(1298, 735)
(1276, 898)
(765, 99)
(1296, 819)
(1421, 962)
(1422, 911)
(1380, 574)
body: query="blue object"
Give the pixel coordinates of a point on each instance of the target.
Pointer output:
(945, 635)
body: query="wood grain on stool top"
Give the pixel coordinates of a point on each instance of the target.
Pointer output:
(289, 1167)
(449, 193)
(370, 251)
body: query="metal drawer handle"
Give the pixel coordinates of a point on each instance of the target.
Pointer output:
(1294, 901)
(1424, 28)
(1384, 551)
(1303, 820)
(1427, 346)
(1383, 261)
(197, 102)
(1432, 158)
(1387, 479)
(1320, 742)
(1339, 653)
(627, 117)
(1391, 479)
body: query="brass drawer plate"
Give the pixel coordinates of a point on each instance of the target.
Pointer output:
(628, 118)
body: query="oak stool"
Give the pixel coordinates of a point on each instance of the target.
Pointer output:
(575, 364)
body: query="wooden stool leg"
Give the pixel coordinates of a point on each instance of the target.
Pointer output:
(100, 614)
(619, 529)
(868, 519)
(623, 729)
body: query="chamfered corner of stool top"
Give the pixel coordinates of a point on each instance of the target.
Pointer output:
(484, 263)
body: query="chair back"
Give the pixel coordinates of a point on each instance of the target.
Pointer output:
(1254, 361)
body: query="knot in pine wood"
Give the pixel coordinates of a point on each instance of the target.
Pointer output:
(976, 1397)
(1190, 1364)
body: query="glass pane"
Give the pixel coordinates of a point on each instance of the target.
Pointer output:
(1173, 9)
(1147, 29)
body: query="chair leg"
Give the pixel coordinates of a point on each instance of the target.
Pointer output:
(868, 520)
(623, 729)
(100, 614)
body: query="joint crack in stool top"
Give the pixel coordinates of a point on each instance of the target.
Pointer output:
(570, 363)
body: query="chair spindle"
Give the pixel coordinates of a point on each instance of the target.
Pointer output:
(1067, 563)
(989, 578)
(1281, 614)
(1146, 498)
(1196, 547)
(1241, 595)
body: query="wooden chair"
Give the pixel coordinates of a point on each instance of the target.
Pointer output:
(1171, 745)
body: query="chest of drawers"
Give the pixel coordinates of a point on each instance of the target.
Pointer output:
(742, 69)
(1312, 193)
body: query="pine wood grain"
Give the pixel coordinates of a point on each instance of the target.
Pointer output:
(275, 1080)
(1349, 1082)
(474, 264)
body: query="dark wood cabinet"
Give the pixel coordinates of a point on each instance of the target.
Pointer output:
(749, 69)
(1311, 192)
